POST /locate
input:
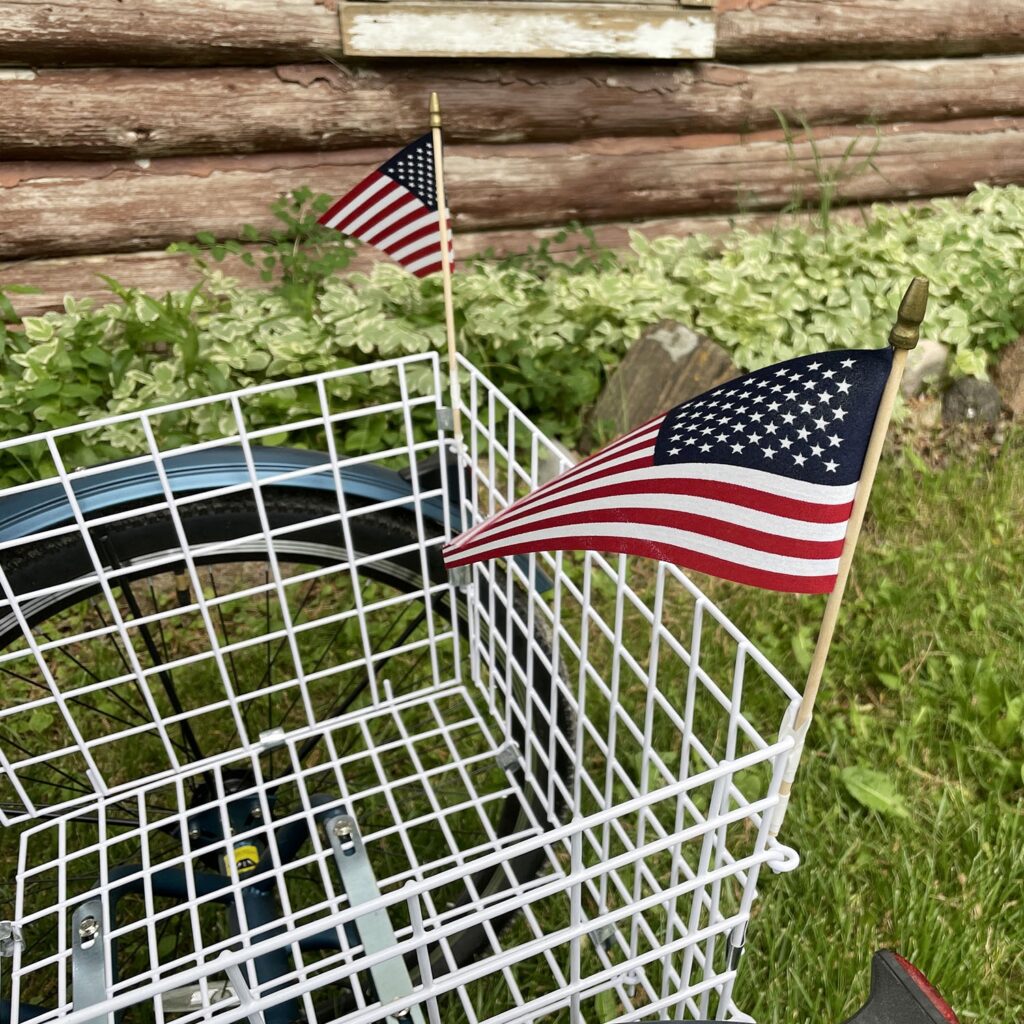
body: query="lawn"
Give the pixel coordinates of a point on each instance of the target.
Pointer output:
(923, 689)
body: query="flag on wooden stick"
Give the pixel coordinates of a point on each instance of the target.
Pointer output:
(753, 481)
(394, 209)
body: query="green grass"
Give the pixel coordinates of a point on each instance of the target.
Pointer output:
(923, 686)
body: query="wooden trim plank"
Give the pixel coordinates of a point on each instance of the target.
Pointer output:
(573, 3)
(440, 28)
(128, 112)
(64, 208)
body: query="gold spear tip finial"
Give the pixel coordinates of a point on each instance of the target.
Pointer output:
(435, 111)
(907, 329)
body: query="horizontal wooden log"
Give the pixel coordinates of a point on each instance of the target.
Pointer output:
(158, 272)
(67, 208)
(144, 32)
(757, 30)
(127, 113)
(204, 32)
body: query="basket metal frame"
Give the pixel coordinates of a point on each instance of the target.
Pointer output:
(652, 853)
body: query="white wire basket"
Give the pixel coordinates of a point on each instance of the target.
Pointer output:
(262, 760)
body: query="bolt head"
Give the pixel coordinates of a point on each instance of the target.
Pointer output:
(88, 928)
(342, 828)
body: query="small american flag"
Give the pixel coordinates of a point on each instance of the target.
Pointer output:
(752, 481)
(394, 209)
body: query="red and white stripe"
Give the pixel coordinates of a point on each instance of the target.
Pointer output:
(386, 215)
(746, 525)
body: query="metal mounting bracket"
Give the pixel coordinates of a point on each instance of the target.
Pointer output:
(88, 964)
(734, 946)
(272, 738)
(603, 936)
(10, 938)
(391, 978)
(461, 576)
(445, 419)
(508, 757)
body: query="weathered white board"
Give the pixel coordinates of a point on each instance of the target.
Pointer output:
(406, 28)
(579, 3)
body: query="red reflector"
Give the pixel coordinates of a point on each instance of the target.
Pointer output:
(928, 989)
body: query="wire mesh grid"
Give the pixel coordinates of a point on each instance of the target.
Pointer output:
(263, 760)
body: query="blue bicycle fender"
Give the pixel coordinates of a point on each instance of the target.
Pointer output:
(27, 512)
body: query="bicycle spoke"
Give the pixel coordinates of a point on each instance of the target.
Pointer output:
(159, 622)
(78, 701)
(124, 659)
(284, 641)
(316, 666)
(227, 638)
(56, 812)
(147, 639)
(421, 657)
(379, 759)
(110, 691)
(350, 698)
(76, 787)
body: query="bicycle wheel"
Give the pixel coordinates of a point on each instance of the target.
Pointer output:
(302, 613)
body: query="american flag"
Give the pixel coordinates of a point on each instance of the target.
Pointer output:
(394, 209)
(752, 481)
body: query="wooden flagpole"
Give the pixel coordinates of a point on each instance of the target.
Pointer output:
(902, 338)
(446, 266)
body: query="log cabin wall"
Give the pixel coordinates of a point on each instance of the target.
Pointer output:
(128, 124)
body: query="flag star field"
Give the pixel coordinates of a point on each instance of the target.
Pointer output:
(414, 168)
(808, 419)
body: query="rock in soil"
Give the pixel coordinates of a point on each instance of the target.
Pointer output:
(1010, 377)
(970, 400)
(668, 364)
(925, 364)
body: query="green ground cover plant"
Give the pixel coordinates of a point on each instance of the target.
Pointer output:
(546, 331)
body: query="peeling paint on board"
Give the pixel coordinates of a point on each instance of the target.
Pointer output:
(742, 5)
(524, 30)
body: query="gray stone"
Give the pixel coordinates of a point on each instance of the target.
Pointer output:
(550, 465)
(666, 365)
(925, 364)
(970, 400)
(1010, 377)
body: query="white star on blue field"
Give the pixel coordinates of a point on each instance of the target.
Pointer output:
(413, 168)
(808, 418)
